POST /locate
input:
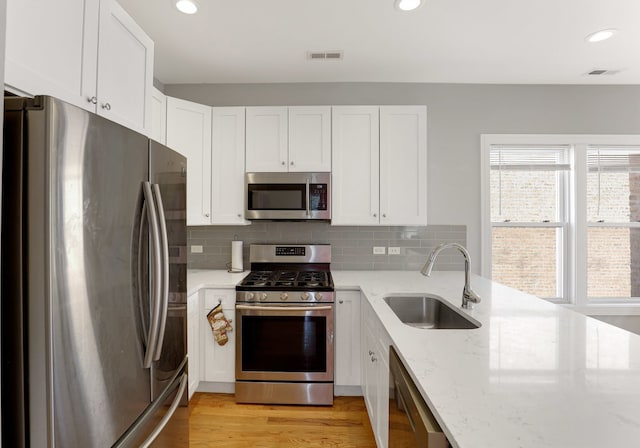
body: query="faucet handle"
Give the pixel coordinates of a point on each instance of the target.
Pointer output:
(468, 297)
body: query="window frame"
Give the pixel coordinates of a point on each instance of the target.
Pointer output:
(575, 234)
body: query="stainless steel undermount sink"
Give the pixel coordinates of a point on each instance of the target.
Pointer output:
(428, 312)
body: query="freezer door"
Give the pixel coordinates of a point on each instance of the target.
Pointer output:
(86, 341)
(165, 424)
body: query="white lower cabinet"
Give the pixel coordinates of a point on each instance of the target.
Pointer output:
(193, 341)
(217, 361)
(375, 373)
(347, 342)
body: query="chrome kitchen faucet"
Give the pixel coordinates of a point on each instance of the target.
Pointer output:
(468, 295)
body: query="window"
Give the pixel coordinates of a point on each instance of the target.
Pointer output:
(613, 216)
(561, 216)
(529, 218)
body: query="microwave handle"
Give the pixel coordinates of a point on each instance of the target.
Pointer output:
(308, 198)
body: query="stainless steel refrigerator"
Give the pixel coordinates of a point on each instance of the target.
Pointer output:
(93, 304)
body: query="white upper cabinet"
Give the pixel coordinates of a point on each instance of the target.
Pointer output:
(267, 139)
(87, 52)
(189, 133)
(227, 169)
(379, 165)
(310, 138)
(356, 173)
(403, 165)
(125, 69)
(288, 139)
(158, 116)
(52, 48)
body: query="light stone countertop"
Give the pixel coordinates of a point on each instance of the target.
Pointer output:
(533, 375)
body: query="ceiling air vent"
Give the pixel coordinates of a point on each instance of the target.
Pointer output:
(599, 72)
(324, 55)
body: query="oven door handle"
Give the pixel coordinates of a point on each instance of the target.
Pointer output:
(284, 308)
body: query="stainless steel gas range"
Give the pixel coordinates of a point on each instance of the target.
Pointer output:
(284, 319)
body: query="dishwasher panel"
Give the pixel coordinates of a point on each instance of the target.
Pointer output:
(411, 424)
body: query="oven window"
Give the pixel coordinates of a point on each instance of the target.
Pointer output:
(277, 197)
(284, 344)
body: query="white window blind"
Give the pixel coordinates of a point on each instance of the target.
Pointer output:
(527, 158)
(613, 159)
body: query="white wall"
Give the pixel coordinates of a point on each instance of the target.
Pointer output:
(457, 114)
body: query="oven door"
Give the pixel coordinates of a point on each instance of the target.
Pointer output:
(284, 342)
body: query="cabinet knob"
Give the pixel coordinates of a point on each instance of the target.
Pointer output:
(92, 100)
(239, 215)
(384, 215)
(370, 353)
(340, 301)
(291, 163)
(284, 163)
(375, 215)
(106, 106)
(206, 215)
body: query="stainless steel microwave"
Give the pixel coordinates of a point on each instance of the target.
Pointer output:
(288, 196)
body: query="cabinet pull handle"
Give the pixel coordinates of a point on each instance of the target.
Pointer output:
(92, 100)
(106, 106)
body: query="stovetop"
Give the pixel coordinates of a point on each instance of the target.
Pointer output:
(294, 280)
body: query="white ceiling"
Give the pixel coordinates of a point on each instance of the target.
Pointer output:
(453, 41)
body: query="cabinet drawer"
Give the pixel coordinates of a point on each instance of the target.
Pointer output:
(225, 296)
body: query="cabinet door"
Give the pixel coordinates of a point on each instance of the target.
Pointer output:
(189, 133)
(382, 385)
(218, 362)
(193, 341)
(158, 116)
(347, 338)
(370, 376)
(310, 138)
(355, 159)
(403, 165)
(125, 69)
(267, 139)
(52, 49)
(227, 166)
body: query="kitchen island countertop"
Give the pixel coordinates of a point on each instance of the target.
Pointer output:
(533, 375)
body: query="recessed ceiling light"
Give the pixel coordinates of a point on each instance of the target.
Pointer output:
(601, 35)
(408, 5)
(187, 6)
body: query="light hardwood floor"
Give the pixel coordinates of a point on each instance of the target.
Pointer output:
(215, 420)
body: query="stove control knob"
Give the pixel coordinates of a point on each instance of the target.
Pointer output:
(284, 296)
(249, 296)
(263, 296)
(318, 296)
(304, 296)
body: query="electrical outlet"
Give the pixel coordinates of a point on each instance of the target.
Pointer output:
(394, 251)
(379, 250)
(196, 249)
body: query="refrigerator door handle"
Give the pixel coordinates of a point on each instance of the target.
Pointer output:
(165, 419)
(164, 241)
(157, 277)
(141, 236)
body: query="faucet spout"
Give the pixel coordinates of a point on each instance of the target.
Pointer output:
(468, 295)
